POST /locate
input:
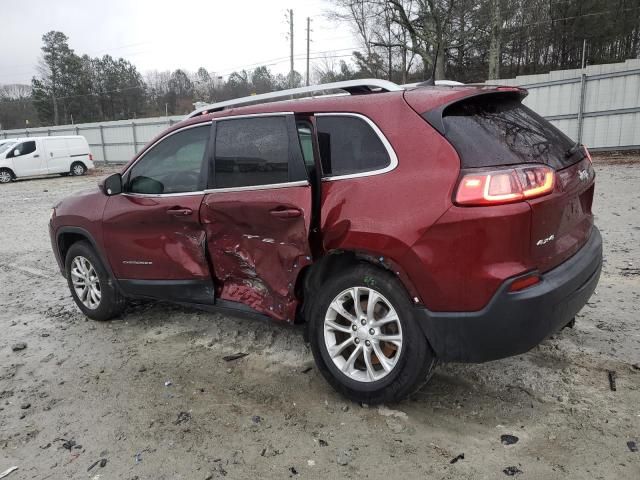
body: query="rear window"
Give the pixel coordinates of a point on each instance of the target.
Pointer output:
(493, 130)
(251, 152)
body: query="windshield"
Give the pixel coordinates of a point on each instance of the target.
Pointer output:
(497, 130)
(6, 146)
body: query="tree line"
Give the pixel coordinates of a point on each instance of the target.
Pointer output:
(400, 40)
(71, 88)
(476, 40)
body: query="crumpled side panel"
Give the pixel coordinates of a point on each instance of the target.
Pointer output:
(256, 257)
(189, 251)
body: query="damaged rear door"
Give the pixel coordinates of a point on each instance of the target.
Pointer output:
(256, 212)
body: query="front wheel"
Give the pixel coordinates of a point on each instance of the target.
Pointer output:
(364, 338)
(5, 175)
(91, 285)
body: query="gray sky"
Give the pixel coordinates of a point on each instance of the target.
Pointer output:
(219, 35)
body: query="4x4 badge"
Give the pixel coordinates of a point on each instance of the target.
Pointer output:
(583, 175)
(542, 241)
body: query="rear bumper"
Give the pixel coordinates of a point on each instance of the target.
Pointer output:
(513, 323)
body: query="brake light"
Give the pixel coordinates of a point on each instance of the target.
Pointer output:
(493, 187)
(91, 157)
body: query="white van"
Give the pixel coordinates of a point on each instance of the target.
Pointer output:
(31, 156)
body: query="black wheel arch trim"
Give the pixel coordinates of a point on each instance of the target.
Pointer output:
(85, 233)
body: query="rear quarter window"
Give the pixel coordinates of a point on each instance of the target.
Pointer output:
(495, 130)
(349, 145)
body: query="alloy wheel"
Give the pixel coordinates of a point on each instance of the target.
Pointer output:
(78, 170)
(86, 284)
(363, 334)
(5, 177)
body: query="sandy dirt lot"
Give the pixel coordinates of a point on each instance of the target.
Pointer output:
(151, 394)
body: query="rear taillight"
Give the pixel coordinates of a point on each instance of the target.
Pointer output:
(91, 157)
(493, 187)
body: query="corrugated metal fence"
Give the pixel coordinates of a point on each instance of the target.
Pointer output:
(599, 106)
(111, 142)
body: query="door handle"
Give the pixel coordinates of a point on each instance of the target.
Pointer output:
(179, 211)
(36, 156)
(286, 212)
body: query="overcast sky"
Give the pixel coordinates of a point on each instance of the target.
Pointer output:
(221, 36)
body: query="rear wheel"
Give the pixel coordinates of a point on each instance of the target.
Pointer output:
(91, 286)
(364, 338)
(5, 175)
(78, 169)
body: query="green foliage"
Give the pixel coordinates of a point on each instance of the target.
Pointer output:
(84, 89)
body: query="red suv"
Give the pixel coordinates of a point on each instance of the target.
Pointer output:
(403, 226)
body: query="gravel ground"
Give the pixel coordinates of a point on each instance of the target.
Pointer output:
(152, 395)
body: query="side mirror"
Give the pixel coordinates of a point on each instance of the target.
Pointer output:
(113, 184)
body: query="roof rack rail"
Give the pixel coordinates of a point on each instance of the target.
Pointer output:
(366, 85)
(437, 83)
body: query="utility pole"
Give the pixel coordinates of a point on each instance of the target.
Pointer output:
(583, 88)
(291, 46)
(387, 15)
(308, 44)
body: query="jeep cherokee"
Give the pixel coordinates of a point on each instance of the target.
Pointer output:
(403, 226)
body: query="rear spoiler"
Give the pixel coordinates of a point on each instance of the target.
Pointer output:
(435, 115)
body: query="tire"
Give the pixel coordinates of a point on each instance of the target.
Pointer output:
(409, 360)
(78, 169)
(6, 175)
(83, 265)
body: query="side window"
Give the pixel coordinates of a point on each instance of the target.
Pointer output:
(173, 165)
(23, 148)
(306, 142)
(349, 145)
(251, 152)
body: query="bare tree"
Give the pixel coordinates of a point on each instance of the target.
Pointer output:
(428, 23)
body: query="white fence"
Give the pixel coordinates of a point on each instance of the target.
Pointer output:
(599, 106)
(110, 142)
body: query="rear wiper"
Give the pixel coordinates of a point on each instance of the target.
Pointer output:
(572, 151)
